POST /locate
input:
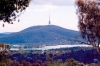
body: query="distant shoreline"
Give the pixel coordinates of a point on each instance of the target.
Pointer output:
(53, 47)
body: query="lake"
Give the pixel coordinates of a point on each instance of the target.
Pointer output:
(57, 46)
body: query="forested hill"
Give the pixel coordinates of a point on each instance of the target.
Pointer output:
(1, 34)
(5, 33)
(46, 34)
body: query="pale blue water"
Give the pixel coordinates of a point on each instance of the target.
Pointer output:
(53, 47)
(59, 46)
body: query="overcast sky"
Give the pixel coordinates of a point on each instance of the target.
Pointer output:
(62, 13)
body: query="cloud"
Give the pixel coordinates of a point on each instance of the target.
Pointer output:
(45, 8)
(55, 2)
(48, 5)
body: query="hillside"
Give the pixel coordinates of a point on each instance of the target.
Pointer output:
(5, 33)
(1, 34)
(47, 34)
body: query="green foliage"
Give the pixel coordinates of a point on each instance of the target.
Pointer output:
(3, 64)
(48, 58)
(51, 62)
(88, 12)
(54, 63)
(11, 9)
(71, 62)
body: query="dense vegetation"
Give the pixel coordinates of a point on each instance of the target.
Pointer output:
(88, 12)
(76, 56)
(11, 9)
(80, 54)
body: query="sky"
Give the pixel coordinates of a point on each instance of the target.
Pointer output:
(62, 13)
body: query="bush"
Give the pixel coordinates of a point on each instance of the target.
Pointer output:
(71, 62)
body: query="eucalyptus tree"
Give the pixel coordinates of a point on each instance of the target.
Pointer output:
(11, 9)
(88, 12)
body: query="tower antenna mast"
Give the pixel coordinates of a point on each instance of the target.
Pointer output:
(49, 20)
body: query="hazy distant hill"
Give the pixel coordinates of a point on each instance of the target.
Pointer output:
(1, 34)
(46, 34)
(8, 32)
(5, 33)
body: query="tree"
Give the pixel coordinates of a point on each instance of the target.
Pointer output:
(71, 62)
(88, 12)
(15, 63)
(48, 58)
(24, 63)
(11, 9)
(3, 53)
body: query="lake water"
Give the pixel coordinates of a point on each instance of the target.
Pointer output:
(53, 47)
(57, 46)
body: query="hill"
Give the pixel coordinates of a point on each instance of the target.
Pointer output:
(47, 34)
(5, 33)
(1, 34)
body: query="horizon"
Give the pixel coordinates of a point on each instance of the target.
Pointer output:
(62, 13)
(38, 25)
